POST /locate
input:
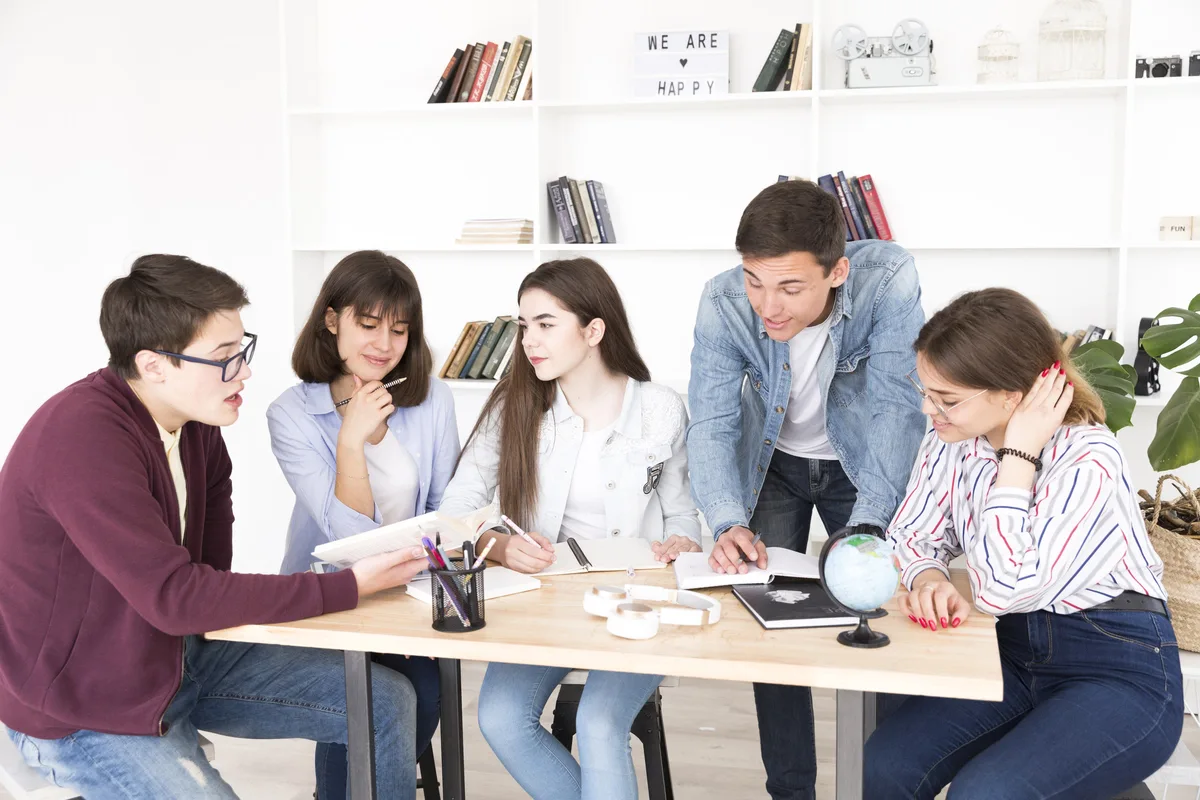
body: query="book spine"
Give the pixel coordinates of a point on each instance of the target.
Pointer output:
(460, 73)
(454, 350)
(559, 207)
(602, 213)
(489, 345)
(589, 214)
(506, 339)
(861, 205)
(497, 71)
(519, 71)
(854, 217)
(483, 334)
(591, 190)
(441, 89)
(585, 235)
(510, 66)
(875, 206)
(805, 54)
(481, 77)
(528, 93)
(851, 231)
(464, 91)
(791, 64)
(565, 183)
(463, 352)
(772, 69)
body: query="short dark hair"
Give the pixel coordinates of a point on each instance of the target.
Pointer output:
(794, 216)
(162, 304)
(371, 283)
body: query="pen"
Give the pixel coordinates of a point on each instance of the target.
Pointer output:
(483, 555)
(754, 541)
(432, 554)
(387, 385)
(447, 587)
(517, 529)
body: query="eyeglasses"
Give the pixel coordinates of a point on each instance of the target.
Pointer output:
(941, 409)
(230, 367)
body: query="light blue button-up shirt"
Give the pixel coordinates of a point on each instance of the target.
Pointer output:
(304, 428)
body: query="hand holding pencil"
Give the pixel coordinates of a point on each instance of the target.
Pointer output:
(526, 552)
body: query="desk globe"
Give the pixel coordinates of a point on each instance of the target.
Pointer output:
(859, 572)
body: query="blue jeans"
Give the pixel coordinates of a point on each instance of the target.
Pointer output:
(510, 709)
(422, 673)
(1093, 703)
(791, 490)
(252, 691)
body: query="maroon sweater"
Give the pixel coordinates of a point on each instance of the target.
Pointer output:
(97, 591)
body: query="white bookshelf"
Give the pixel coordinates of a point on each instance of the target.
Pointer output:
(1053, 189)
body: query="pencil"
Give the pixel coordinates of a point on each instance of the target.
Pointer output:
(387, 385)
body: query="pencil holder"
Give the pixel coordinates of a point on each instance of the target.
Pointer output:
(458, 597)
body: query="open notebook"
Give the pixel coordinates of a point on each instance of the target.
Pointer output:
(343, 553)
(497, 582)
(602, 555)
(693, 572)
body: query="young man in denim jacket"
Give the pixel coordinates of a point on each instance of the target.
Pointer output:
(799, 400)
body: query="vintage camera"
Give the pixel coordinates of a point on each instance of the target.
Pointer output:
(1194, 64)
(1169, 67)
(903, 59)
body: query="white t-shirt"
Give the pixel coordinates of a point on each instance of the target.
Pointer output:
(803, 433)
(583, 516)
(394, 479)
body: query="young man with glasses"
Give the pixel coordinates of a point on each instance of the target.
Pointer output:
(799, 400)
(116, 528)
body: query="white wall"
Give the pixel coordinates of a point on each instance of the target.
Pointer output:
(135, 126)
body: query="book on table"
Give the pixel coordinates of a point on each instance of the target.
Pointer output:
(601, 555)
(693, 572)
(792, 603)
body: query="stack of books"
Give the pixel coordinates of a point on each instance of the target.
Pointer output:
(581, 210)
(483, 351)
(788, 67)
(487, 73)
(861, 206)
(496, 231)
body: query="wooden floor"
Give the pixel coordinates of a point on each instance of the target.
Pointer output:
(712, 736)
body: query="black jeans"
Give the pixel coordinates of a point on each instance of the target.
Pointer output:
(792, 489)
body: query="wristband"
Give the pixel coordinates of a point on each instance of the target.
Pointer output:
(1008, 451)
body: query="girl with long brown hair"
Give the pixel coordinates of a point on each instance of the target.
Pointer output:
(1021, 477)
(576, 441)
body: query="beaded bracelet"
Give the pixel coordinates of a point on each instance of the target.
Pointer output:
(1008, 451)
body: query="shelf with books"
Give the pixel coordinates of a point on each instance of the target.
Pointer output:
(797, 98)
(1109, 87)
(423, 248)
(519, 107)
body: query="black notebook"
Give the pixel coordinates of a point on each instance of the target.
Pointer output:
(792, 603)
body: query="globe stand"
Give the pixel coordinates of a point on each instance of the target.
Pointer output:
(863, 636)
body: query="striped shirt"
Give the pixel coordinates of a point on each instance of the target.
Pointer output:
(1076, 540)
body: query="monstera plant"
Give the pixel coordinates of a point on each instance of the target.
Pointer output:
(1100, 365)
(1175, 344)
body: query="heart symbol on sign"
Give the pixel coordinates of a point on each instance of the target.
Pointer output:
(683, 62)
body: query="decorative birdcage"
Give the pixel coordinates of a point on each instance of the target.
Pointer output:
(1071, 38)
(998, 55)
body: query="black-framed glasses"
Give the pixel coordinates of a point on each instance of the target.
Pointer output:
(942, 410)
(230, 367)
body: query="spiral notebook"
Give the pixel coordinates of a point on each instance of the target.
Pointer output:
(601, 555)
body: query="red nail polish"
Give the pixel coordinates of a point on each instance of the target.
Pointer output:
(944, 623)
(910, 616)
(1056, 365)
(955, 623)
(1045, 372)
(1069, 383)
(1062, 372)
(922, 623)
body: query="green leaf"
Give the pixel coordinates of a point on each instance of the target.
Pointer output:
(1100, 365)
(1177, 440)
(1175, 341)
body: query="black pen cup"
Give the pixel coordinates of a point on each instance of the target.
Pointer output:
(458, 598)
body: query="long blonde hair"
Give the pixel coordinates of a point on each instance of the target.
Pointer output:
(997, 339)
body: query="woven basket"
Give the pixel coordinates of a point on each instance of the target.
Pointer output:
(1180, 555)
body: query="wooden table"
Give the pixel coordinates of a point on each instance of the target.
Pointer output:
(549, 627)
